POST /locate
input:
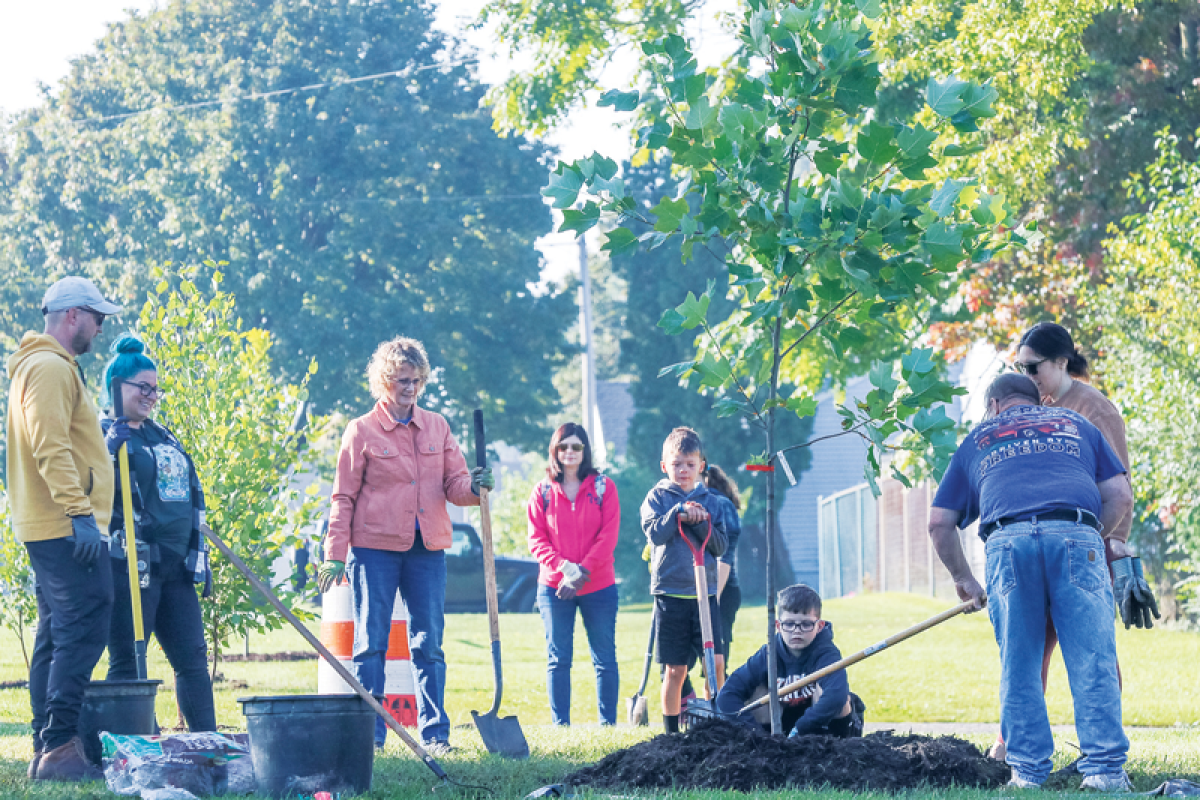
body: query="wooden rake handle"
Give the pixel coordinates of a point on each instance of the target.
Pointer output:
(860, 655)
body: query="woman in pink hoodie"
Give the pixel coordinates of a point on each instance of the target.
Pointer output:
(574, 518)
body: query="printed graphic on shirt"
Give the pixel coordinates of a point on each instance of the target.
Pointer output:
(1034, 431)
(800, 697)
(173, 486)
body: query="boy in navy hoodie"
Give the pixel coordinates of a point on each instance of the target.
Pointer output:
(804, 645)
(682, 497)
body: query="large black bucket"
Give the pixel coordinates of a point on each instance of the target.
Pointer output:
(116, 707)
(307, 743)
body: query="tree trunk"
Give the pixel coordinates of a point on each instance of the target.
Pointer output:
(772, 667)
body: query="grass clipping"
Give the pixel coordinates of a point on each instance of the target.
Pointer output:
(721, 755)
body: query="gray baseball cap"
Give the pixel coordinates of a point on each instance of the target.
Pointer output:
(76, 292)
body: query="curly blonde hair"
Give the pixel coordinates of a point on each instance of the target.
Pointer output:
(389, 357)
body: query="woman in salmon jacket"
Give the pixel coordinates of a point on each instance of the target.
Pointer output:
(388, 528)
(574, 518)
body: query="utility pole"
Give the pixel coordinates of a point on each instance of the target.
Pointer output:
(590, 416)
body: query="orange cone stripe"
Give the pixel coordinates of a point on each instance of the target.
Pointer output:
(398, 641)
(338, 637)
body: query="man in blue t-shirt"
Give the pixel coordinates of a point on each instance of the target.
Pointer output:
(1043, 483)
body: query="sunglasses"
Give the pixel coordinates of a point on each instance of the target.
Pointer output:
(578, 448)
(1028, 367)
(804, 626)
(148, 390)
(96, 315)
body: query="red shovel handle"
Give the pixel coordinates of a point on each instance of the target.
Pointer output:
(697, 553)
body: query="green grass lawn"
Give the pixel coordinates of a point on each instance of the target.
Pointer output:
(948, 674)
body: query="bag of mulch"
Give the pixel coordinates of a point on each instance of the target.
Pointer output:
(201, 764)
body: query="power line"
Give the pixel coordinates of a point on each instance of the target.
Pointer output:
(311, 87)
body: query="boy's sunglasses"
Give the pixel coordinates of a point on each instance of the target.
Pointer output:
(578, 448)
(804, 626)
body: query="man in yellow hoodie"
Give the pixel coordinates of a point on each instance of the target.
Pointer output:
(60, 481)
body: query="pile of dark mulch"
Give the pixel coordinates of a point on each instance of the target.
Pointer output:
(721, 755)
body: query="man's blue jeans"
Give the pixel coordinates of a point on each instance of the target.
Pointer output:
(375, 576)
(1056, 568)
(599, 612)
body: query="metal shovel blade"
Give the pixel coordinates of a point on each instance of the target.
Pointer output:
(501, 735)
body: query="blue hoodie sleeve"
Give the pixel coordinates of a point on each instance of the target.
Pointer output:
(739, 687)
(733, 532)
(835, 692)
(658, 519)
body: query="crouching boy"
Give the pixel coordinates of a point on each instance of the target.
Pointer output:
(804, 644)
(682, 499)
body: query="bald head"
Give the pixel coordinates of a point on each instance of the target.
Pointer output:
(1012, 389)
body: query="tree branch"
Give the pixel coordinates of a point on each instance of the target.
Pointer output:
(818, 323)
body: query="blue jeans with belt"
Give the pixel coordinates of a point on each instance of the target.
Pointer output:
(1035, 569)
(599, 612)
(420, 576)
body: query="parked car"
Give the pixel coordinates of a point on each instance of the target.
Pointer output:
(516, 576)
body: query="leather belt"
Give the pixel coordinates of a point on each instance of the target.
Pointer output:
(1080, 515)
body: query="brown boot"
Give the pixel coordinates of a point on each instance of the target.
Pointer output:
(68, 763)
(31, 773)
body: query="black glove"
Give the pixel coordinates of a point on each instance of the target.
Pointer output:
(86, 535)
(1134, 598)
(118, 434)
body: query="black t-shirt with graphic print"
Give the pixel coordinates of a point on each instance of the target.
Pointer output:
(163, 480)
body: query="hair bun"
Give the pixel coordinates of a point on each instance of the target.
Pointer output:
(128, 343)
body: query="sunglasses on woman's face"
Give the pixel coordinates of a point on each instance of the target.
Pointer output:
(578, 448)
(1028, 367)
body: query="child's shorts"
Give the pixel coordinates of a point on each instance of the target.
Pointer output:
(679, 639)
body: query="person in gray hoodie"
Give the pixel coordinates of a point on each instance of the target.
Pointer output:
(681, 505)
(804, 645)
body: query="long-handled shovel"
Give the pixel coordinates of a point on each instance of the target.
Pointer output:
(329, 657)
(131, 553)
(706, 629)
(635, 707)
(501, 735)
(868, 652)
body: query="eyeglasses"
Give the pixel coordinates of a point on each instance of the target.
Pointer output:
(148, 390)
(578, 448)
(804, 626)
(406, 383)
(1028, 367)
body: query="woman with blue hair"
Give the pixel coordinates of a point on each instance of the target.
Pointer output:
(168, 506)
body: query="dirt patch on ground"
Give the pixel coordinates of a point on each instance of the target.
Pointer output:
(236, 658)
(721, 755)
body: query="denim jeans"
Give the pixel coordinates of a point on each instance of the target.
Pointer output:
(420, 577)
(74, 602)
(170, 611)
(1056, 569)
(599, 612)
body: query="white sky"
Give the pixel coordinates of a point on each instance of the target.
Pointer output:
(39, 38)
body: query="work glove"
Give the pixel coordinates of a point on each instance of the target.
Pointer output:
(482, 476)
(572, 573)
(86, 536)
(330, 573)
(1135, 601)
(118, 434)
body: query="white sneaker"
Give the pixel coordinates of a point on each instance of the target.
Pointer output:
(1111, 783)
(1018, 782)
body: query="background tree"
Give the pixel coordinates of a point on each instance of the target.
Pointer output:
(1149, 311)
(236, 419)
(348, 213)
